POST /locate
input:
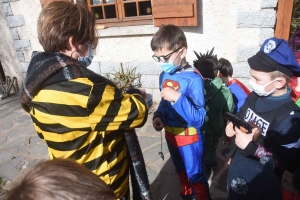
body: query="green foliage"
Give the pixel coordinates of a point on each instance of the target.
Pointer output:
(126, 79)
(295, 17)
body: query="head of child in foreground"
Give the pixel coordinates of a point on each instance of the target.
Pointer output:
(169, 45)
(67, 28)
(272, 68)
(60, 179)
(207, 64)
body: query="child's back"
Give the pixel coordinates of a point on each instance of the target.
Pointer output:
(218, 100)
(239, 91)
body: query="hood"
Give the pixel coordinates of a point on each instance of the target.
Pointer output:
(42, 67)
(212, 87)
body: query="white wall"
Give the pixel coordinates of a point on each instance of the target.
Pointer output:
(8, 56)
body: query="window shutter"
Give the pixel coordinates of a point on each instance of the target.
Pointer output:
(45, 2)
(179, 13)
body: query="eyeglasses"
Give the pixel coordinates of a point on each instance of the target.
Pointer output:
(165, 58)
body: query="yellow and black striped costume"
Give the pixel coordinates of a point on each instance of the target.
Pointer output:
(83, 119)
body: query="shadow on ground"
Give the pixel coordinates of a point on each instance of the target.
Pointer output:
(166, 184)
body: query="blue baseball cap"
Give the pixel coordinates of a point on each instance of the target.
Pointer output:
(275, 54)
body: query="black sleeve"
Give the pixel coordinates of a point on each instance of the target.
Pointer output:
(284, 142)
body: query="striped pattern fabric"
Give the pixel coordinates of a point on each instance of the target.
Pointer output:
(82, 119)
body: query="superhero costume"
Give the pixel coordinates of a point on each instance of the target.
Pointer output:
(183, 120)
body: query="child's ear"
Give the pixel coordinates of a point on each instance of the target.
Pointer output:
(281, 83)
(71, 46)
(184, 51)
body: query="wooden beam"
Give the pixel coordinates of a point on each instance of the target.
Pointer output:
(284, 18)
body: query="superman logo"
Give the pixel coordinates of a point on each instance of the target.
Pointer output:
(172, 84)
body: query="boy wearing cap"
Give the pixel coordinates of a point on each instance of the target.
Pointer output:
(218, 100)
(181, 110)
(258, 165)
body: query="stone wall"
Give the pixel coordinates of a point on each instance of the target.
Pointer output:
(236, 29)
(11, 46)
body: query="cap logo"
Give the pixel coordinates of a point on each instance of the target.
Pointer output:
(270, 46)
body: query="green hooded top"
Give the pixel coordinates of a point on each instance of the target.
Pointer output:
(218, 100)
(298, 102)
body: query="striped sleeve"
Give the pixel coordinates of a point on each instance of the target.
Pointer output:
(110, 110)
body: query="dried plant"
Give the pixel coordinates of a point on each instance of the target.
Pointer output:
(126, 79)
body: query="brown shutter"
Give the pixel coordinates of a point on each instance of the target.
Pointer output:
(45, 2)
(177, 12)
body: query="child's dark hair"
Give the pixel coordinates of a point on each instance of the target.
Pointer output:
(207, 64)
(225, 67)
(170, 37)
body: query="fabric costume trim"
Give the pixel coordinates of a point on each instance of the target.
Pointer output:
(179, 137)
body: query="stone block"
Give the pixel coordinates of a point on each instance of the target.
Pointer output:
(246, 52)
(156, 95)
(23, 118)
(109, 67)
(128, 31)
(150, 81)
(265, 33)
(95, 67)
(14, 132)
(17, 144)
(6, 1)
(10, 116)
(14, 33)
(20, 56)
(6, 8)
(258, 19)
(35, 140)
(141, 67)
(24, 67)
(22, 45)
(38, 150)
(5, 156)
(146, 67)
(269, 3)
(241, 70)
(15, 21)
(6, 126)
(11, 169)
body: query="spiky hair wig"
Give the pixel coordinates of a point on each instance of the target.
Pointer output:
(206, 64)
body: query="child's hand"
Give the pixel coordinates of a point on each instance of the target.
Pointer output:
(229, 130)
(243, 139)
(158, 124)
(169, 94)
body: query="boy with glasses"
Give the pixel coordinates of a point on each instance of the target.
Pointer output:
(181, 111)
